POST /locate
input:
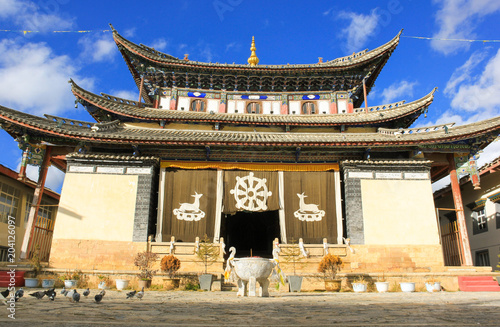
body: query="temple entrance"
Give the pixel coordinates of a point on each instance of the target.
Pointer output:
(252, 233)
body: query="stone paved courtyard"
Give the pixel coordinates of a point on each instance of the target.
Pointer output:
(191, 308)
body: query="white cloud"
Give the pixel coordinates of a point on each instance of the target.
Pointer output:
(34, 79)
(9, 8)
(397, 91)
(476, 92)
(29, 16)
(126, 94)
(159, 44)
(359, 29)
(457, 19)
(464, 72)
(98, 47)
(53, 181)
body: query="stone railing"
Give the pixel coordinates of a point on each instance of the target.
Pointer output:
(379, 108)
(401, 131)
(124, 101)
(61, 121)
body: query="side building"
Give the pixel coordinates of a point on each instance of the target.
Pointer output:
(482, 213)
(16, 199)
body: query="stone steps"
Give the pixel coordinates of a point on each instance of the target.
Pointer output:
(5, 278)
(478, 284)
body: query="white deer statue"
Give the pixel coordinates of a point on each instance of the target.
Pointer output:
(190, 211)
(195, 206)
(307, 207)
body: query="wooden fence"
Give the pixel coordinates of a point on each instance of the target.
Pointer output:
(42, 237)
(452, 244)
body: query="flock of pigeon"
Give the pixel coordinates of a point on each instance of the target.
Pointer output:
(72, 295)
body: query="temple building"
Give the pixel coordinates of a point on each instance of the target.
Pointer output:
(249, 154)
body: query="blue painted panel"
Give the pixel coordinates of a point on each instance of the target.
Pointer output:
(196, 95)
(310, 97)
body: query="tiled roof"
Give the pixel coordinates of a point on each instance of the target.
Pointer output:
(115, 133)
(129, 108)
(340, 63)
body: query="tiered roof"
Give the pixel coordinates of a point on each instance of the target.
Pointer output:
(66, 131)
(341, 74)
(107, 108)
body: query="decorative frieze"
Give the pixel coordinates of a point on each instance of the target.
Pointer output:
(359, 174)
(388, 175)
(138, 170)
(110, 170)
(416, 175)
(81, 169)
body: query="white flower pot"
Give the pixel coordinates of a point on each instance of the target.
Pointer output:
(121, 284)
(31, 282)
(407, 287)
(382, 287)
(102, 286)
(48, 283)
(69, 283)
(433, 287)
(359, 287)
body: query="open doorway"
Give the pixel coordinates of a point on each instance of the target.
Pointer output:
(252, 233)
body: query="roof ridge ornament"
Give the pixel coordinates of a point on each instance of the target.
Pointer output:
(253, 60)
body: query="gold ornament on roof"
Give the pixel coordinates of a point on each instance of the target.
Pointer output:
(253, 60)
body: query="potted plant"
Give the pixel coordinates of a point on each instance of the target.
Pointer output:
(292, 255)
(329, 266)
(170, 265)
(382, 284)
(360, 284)
(104, 282)
(121, 283)
(208, 253)
(432, 285)
(31, 277)
(71, 279)
(145, 260)
(48, 280)
(407, 286)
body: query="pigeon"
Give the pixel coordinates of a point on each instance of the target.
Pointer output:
(140, 294)
(69, 294)
(51, 294)
(64, 291)
(86, 292)
(38, 295)
(19, 294)
(131, 294)
(5, 293)
(99, 296)
(76, 297)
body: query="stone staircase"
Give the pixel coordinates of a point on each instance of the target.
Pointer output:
(478, 284)
(5, 279)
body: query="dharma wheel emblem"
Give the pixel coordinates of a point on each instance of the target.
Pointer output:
(250, 193)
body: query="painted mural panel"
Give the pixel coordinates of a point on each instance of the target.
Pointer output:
(310, 209)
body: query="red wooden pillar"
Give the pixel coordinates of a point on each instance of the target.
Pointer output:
(35, 205)
(459, 207)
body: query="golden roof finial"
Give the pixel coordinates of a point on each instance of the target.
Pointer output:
(253, 60)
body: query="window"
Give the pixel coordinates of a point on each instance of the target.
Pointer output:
(482, 258)
(4, 251)
(46, 210)
(308, 108)
(253, 108)
(9, 202)
(479, 222)
(497, 214)
(198, 105)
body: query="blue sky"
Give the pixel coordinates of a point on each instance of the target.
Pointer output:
(35, 66)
